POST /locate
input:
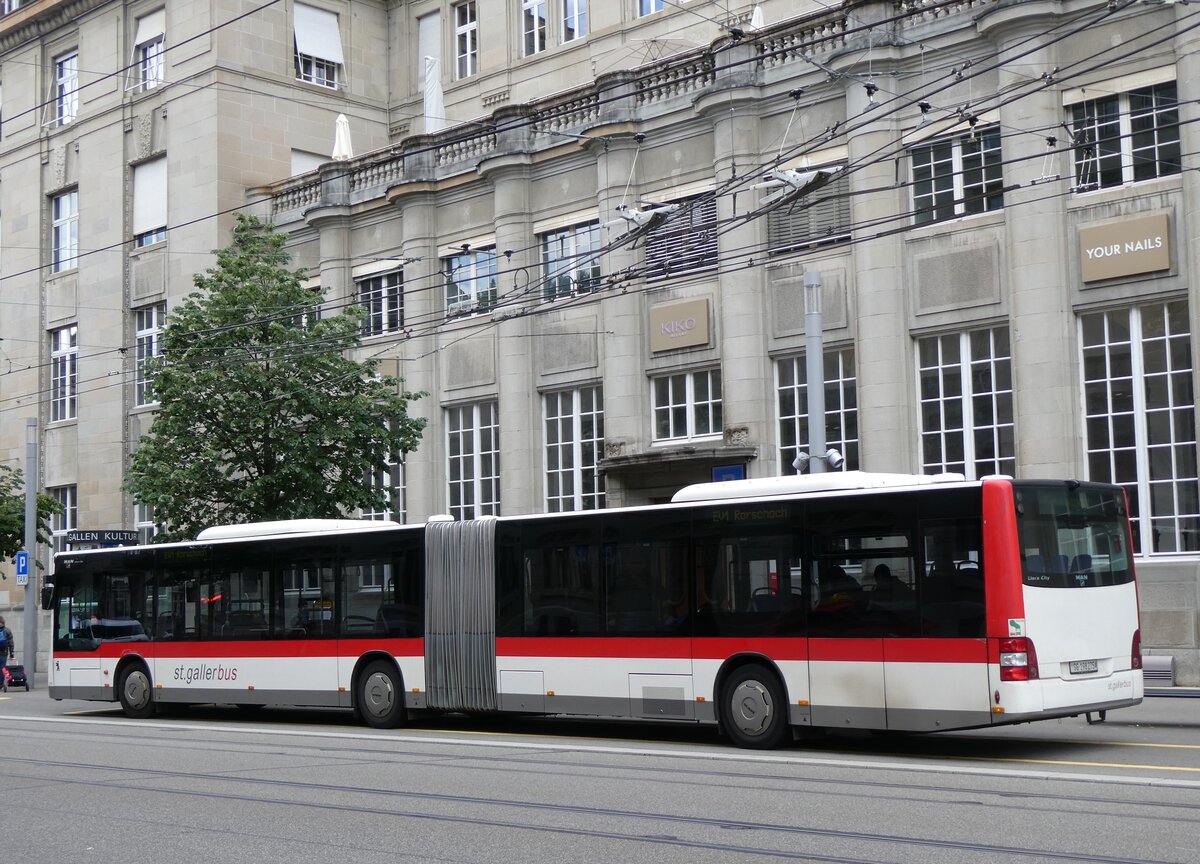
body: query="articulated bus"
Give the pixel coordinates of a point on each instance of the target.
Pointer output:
(772, 606)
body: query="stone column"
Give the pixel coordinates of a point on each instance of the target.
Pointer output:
(1042, 334)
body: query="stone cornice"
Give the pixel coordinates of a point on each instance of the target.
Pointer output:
(42, 19)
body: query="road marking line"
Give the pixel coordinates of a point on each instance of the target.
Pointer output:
(782, 759)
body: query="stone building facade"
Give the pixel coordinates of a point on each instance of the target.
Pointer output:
(572, 226)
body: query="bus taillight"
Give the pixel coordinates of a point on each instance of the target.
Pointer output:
(1018, 659)
(1135, 653)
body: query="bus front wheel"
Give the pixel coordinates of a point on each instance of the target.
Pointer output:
(137, 699)
(753, 708)
(380, 700)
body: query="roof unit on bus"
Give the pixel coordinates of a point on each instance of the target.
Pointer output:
(292, 526)
(798, 484)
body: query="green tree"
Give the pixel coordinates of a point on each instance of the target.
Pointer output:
(12, 512)
(262, 413)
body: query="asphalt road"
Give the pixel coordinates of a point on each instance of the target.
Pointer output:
(84, 784)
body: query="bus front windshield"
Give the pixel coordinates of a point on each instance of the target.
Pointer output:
(1072, 535)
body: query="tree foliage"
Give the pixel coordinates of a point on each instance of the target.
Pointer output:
(262, 412)
(12, 512)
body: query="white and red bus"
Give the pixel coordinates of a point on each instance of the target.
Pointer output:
(770, 606)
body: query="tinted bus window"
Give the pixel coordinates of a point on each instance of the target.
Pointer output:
(950, 580)
(1072, 535)
(560, 566)
(646, 563)
(383, 587)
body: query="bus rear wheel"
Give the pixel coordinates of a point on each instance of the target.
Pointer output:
(137, 699)
(380, 701)
(753, 708)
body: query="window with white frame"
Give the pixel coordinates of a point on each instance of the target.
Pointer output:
(1140, 419)
(64, 231)
(686, 241)
(575, 24)
(66, 88)
(149, 45)
(823, 218)
(533, 27)
(318, 42)
(145, 523)
(647, 7)
(67, 519)
(64, 372)
(389, 480)
(966, 416)
(466, 40)
(841, 407)
(470, 281)
(148, 326)
(473, 460)
(150, 202)
(382, 296)
(1126, 137)
(9, 6)
(686, 405)
(957, 176)
(570, 260)
(574, 447)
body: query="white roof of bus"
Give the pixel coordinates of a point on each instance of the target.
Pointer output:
(766, 487)
(291, 526)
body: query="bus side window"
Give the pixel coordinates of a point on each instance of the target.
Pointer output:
(951, 583)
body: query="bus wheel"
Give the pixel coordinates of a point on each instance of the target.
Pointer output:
(136, 697)
(753, 709)
(380, 700)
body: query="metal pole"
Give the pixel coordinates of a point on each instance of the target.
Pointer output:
(32, 596)
(814, 346)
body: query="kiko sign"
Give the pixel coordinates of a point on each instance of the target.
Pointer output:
(1125, 248)
(683, 324)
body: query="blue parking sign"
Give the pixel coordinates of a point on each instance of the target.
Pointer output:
(22, 563)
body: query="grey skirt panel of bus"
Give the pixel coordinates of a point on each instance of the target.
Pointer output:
(460, 615)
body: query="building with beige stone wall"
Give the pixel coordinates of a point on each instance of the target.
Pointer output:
(557, 224)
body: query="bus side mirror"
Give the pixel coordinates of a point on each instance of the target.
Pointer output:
(48, 595)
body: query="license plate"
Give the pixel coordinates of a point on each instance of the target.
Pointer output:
(1083, 667)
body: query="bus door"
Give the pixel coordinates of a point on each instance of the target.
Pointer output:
(848, 539)
(936, 663)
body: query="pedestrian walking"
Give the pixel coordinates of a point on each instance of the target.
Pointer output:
(6, 650)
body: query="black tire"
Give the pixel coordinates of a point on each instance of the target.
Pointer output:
(134, 690)
(754, 712)
(380, 697)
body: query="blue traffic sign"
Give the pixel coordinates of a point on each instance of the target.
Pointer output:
(22, 563)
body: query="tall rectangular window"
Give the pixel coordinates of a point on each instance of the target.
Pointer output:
(841, 408)
(1140, 419)
(1126, 137)
(149, 43)
(148, 326)
(575, 24)
(686, 405)
(150, 202)
(318, 44)
(64, 372)
(570, 260)
(473, 460)
(825, 218)
(67, 519)
(533, 26)
(470, 281)
(966, 403)
(646, 7)
(957, 176)
(390, 480)
(66, 88)
(145, 523)
(574, 447)
(466, 40)
(382, 297)
(686, 241)
(64, 229)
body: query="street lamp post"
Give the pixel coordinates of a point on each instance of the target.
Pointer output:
(818, 458)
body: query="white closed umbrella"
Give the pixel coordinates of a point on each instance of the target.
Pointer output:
(341, 140)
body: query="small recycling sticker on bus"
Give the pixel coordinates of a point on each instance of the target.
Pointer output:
(1016, 626)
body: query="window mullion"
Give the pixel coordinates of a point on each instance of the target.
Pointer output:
(968, 404)
(956, 178)
(1141, 449)
(1125, 145)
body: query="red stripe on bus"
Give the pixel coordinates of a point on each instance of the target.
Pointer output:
(252, 648)
(1001, 558)
(935, 650)
(669, 647)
